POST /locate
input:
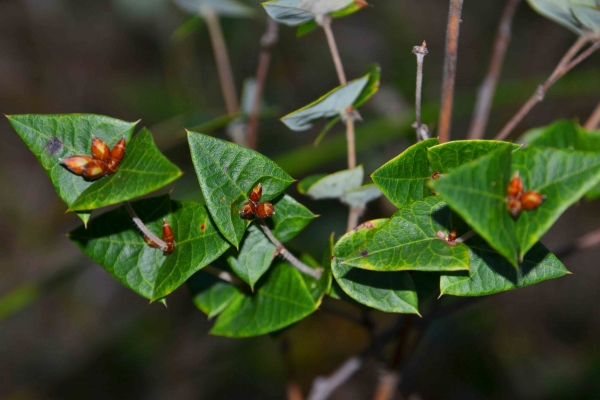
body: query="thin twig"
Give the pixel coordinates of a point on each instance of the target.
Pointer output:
(565, 65)
(422, 130)
(268, 40)
(224, 276)
(387, 385)
(450, 69)
(222, 58)
(593, 121)
(143, 228)
(285, 253)
(325, 22)
(323, 387)
(486, 92)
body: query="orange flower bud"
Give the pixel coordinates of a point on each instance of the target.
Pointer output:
(169, 248)
(515, 187)
(452, 235)
(247, 210)
(76, 163)
(531, 200)
(265, 210)
(256, 193)
(94, 169)
(514, 207)
(100, 150)
(167, 232)
(118, 151)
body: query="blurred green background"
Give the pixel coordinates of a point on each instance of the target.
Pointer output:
(68, 330)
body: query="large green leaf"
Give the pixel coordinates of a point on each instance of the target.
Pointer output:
(409, 242)
(280, 299)
(563, 176)
(566, 135)
(227, 173)
(448, 156)
(225, 8)
(296, 12)
(113, 242)
(403, 179)
(254, 257)
(491, 273)
(477, 192)
(334, 103)
(143, 170)
(332, 186)
(385, 291)
(290, 218)
(211, 294)
(51, 137)
(559, 11)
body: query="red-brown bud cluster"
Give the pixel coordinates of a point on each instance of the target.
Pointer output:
(168, 237)
(253, 207)
(103, 162)
(517, 200)
(450, 239)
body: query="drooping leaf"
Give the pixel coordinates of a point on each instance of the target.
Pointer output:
(448, 156)
(51, 137)
(143, 170)
(296, 12)
(225, 8)
(334, 103)
(559, 11)
(332, 186)
(587, 12)
(491, 273)
(254, 258)
(362, 195)
(113, 241)
(409, 242)
(563, 176)
(477, 192)
(227, 173)
(404, 179)
(280, 299)
(211, 294)
(385, 291)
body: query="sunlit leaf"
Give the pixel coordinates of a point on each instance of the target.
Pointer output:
(385, 291)
(445, 157)
(404, 179)
(143, 170)
(491, 273)
(225, 8)
(227, 173)
(362, 195)
(280, 299)
(211, 294)
(113, 241)
(409, 241)
(332, 186)
(51, 137)
(290, 218)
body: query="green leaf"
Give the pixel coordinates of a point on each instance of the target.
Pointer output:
(587, 13)
(280, 299)
(51, 137)
(409, 242)
(212, 295)
(317, 288)
(225, 8)
(559, 11)
(254, 258)
(362, 195)
(372, 87)
(290, 218)
(113, 242)
(143, 170)
(334, 103)
(332, 186)
(491, 273)
(296, 12)
(227, 173)
(384, 291)
(563, 176)
(403, 179)
(448, 156)
(307, 182)
(477, 192)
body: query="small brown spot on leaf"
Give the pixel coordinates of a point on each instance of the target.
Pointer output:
(364, 253)
(203, 227)
(364, 225)
(222, 198)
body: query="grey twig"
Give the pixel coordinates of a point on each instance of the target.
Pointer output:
(486, 92)
(142, 227)
(422, 130)
(450, 69)
(285, 253)
(224, 276)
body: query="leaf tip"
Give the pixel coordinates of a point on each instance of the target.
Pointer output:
(569, 273)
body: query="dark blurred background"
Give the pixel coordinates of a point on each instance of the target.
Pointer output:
(68, 330)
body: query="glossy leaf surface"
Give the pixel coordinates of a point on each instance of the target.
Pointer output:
(254, 257)
(448, 156)
(210, 294)
(559, 11)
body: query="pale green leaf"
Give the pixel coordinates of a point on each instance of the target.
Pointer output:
(587, 13)
(559, 11)
(225, 8)
(296, 12)
(332, 186)
(211, 294)
(362, 195)
(254, 257)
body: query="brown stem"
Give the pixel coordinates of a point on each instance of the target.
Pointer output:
(422, 131)
(292, 388)
(565, 65)
(387, 385)
(222, 58)
(268, 40)
(593, 121)
(281, 250)
(450, 69)
(326, 24)
(224, 276)
(487, 89)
